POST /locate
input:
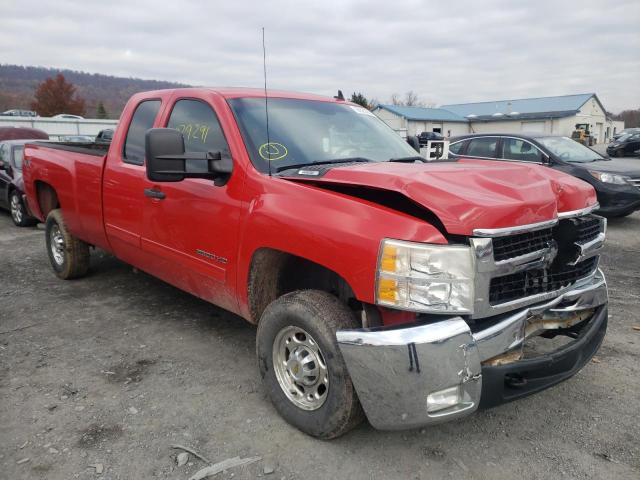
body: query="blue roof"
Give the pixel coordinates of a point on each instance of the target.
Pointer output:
(424, 114)
(564, 105)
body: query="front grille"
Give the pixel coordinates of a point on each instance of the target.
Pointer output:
(635, 182)
(538, 280)
(513, 246)
(588, 228)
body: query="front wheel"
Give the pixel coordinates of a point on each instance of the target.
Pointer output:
(18, 211)
(69, 256)
(301, 365)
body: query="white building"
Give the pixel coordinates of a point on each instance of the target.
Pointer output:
(550, 115)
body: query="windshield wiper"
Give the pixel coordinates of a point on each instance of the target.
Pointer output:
(408, 159)
(322, 162)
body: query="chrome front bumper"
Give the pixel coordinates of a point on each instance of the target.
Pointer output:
(407, 376)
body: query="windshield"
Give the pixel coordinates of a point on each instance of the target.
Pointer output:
(569, 150)
(624, 137)
(302, 132)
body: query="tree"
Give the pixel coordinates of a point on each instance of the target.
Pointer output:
(411, 99)
(360, 100)
(101, 112)
(55, 95)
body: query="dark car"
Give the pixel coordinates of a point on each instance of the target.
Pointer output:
(105, 136)
(616, 181)
(625, 145)
(626, 131)
(11, 184)
(426, 137)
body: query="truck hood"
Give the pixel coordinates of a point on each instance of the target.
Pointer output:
(467, 195)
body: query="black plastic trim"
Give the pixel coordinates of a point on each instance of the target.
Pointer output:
(501, 384)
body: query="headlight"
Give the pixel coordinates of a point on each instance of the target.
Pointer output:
(610, 178)
(425, 278)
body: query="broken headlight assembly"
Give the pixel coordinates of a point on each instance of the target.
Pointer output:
(425, 278)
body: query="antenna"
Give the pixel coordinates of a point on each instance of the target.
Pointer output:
(266, 99)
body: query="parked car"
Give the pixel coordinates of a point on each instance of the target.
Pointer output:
(378, 281)
(17, 133)
(624, 146)
(19, 113)
(69, 116)
(11, 182)
(425, 137)
(105, 136)
(616, 181)
(624, 132)
(76, 139)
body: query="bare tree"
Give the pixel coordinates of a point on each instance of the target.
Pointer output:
(411, 99)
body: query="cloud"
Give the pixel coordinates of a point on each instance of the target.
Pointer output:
(447, 52)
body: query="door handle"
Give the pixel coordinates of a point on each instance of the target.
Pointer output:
(153, 193)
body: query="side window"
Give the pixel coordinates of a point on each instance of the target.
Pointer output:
(482, 147)
(456, 148)
(521, 150)
(18, 155)
(199, 125)
(142, 120)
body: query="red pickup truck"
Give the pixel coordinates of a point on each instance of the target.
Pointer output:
(383, 285)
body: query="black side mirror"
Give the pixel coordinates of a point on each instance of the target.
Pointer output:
(414, 142)
(168, 162)
(3, 166)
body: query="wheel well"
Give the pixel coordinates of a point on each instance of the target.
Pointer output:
(47, 198)
(274, 273)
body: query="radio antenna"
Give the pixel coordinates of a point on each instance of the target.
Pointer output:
(266, 100)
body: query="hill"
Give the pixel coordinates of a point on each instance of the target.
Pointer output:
(18, 84)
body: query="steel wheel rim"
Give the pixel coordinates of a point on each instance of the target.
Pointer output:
(16, 209)
(56, 244)
(300, 368)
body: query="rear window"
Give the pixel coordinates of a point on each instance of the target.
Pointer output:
(456, 148)
(142, 120)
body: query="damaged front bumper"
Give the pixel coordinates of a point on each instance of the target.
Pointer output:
(410, 376)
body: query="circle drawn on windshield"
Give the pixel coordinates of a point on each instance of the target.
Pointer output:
(273, 151)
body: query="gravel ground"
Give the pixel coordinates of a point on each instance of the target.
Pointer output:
(114, 368)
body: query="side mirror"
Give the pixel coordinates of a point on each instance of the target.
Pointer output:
(414, 142)
(546, 159)
(168, 162)
(3, 166)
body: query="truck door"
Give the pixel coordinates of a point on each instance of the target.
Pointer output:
(192, 226)
(124, 174)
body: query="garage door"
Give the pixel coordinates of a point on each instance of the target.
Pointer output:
(533, 127)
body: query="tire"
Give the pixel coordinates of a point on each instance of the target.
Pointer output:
(318, 315)
(70, 259)
(19, 213)
(620, 153)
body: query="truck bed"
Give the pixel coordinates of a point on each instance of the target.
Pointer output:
(74, 171)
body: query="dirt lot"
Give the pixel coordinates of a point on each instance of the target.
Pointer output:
(118, 366)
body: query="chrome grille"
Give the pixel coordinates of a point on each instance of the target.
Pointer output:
(520, 244)
(526, 267)
(588, 228)
(538, 280)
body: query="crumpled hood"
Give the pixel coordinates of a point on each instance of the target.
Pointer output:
(466, 195)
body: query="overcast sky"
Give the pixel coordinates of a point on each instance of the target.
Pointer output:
(447, 52)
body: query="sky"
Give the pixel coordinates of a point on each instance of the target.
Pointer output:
(446, 52)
